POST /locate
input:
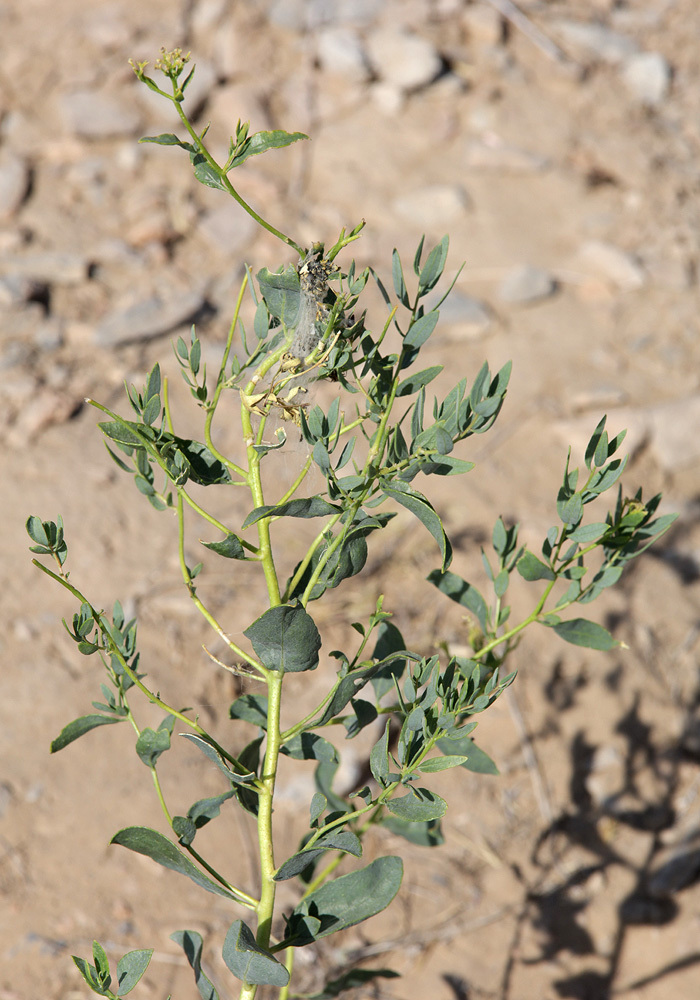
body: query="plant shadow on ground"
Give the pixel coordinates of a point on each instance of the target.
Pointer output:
(648, 835)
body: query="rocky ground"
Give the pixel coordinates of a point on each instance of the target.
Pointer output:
(557, 142)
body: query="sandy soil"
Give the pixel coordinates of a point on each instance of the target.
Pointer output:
(574, 873)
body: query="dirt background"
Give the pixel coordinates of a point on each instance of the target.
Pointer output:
(574, 873)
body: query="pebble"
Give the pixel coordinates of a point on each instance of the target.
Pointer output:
(435, 204)
(303, 15)
(340, 51)
(387, 98)
(14, 183)
(403, 59)
(148, 318)
(604, 260)
(15, 289)
(490, 153)
(673, 429)
(471, 317)
(484, 24)
(51, 267)
(92, 115)
(227, 229)
(647, 76)
(595, 41)
(526, 284)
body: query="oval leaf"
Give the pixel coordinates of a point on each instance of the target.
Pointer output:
(248, 961)
(230, 547)
(441, 763)
(191, 944)
(345, 901)
(532, 568)
(421, 508)
(581, 632)
(74, 730)
(286, 639)
(419, 806)
(302, 507)
(130, 968)
(143, 840)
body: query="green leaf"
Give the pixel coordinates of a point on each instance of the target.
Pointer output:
(442, 763)
(463, 593)
(130, 968)
(379, 758)
(282, 293)
(531, 568)
(345, 901)
(191, 944)
(205, 173)
(123, 432)
(205, 468)
(248, 961)
(301, 507)
(199, 814)
(91, 976)
(215, 757)
(419, 806)
(346, 841)
(143, 840)
(419, 331)
(423, 834)
(309, 746)
(581, 632)
(421, 508)
(151, 744)
(168, 139)
(416, 382)
(398, 278)
(476, 761)
(570, 508)
(260, 142)
(349, 981)
(250, 708)
(434, 266)
(230, 547)
(74, 730)
(286, 639)
(592, 445)
(101, 964)
(588, 532)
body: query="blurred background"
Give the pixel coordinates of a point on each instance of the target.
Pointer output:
(558, 144)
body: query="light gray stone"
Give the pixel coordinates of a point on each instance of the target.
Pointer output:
(403, 59)
(496, 156)
(604, 260)
(51, 267)
(647, 76)
(433, 205)
(526, 284)
(15, 289)
(227, 228)
(14, 183)
(302, 15)
(340, 51)
(149, 318)
(468, 317)
(91, 115)
(674, 432)
(595, 41)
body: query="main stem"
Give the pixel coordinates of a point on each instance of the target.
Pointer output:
(265, 908)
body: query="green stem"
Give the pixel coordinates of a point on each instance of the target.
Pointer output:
(229, 186)
(203, 610)
(220, 383)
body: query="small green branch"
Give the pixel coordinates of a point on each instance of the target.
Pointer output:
(230, 189)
